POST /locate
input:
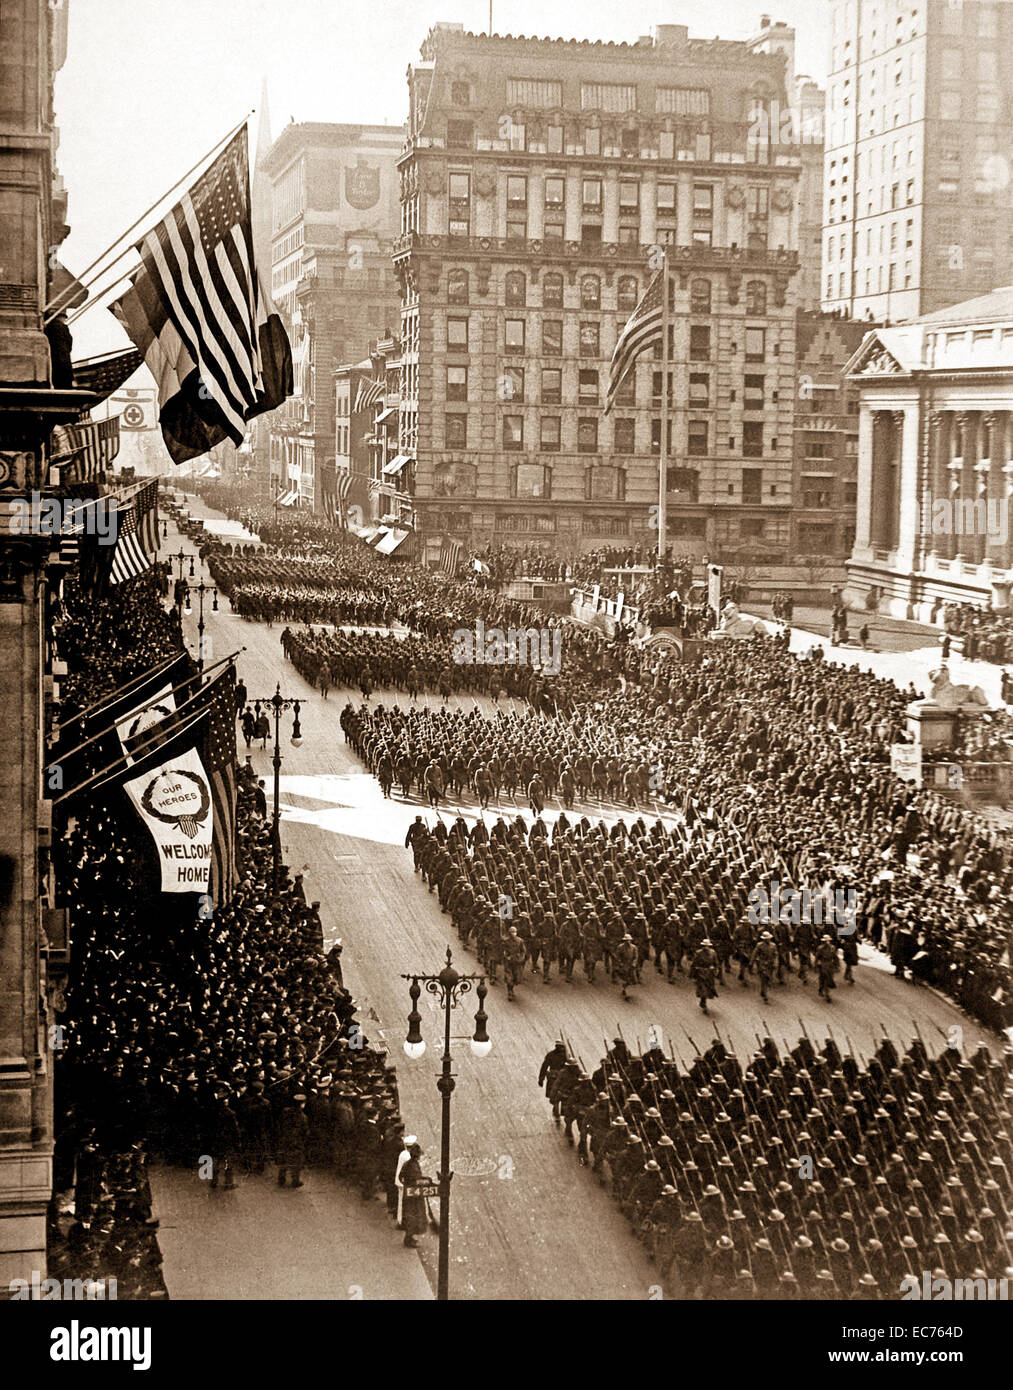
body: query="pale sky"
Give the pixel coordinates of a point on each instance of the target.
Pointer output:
(148, 87)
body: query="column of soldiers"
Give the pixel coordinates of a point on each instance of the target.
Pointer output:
(802, 1174)
(627, 899)
(932, 883)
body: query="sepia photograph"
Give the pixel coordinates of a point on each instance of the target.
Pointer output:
(506, 674)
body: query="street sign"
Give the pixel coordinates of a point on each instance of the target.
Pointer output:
(422, 1189)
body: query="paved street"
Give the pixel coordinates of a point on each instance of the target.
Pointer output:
(527, 1221)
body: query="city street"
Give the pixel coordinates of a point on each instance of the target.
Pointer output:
(526, 1219)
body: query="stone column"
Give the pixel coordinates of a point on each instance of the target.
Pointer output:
(882, 482)
(908, 502)
(864, 488)
(935, 485)
(1002, 454)
(895, 436)
(975, 484)
(990, 488)
(958, 544)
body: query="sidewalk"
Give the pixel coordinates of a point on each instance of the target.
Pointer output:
(320, 1241)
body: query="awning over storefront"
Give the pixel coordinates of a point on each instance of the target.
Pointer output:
(395, 465)
(390, 542)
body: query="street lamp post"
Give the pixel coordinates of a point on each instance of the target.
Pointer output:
(180, 556)
(278, 703)
(449, 987)
(200, 590)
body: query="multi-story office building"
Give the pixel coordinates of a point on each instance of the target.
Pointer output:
(918, 187)
(334, 200)
(540, 182)
(825, 438)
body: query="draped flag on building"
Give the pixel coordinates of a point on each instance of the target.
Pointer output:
(85, 450)
(450, 554)
(198, 313)
(173, 800)
(219, 755)
(642, 331)
(118, 727)
(369, 393)
(137, 536)
(183, 787)
(105, 374)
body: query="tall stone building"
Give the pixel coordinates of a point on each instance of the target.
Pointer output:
(918, 180)
(539, 183)
(36, 393)
(334, 199)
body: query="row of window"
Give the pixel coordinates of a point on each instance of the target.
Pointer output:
(515, 292)
(592, 194)
(515, 339)
(461, 136)
(550, 434)
(727, 529)
(511, 387)
(604, 482)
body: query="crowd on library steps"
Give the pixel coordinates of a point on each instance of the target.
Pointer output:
(799, 1175)
(223, 1036)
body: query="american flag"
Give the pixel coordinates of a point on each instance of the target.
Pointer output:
(219, 758)
(369, 393)
(107, 373)
(137, 536)
(86, 449)
(343, 483)
(450, 554)
(643, 330)
(200, 263)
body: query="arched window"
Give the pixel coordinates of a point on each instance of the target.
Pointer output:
(457, 287)
(626, 293)
(756, 297)
(590, 292)
(700, 297)
(552, 291)
(516, 288)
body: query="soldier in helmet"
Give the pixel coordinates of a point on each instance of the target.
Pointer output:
(704, 971)
(764, 961)
(515, 953)
(826, 965)
(625, 964)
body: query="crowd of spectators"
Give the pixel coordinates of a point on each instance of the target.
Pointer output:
(191, 1032)
(985, 635)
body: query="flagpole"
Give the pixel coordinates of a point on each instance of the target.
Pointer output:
(663, 455)
(53, 308)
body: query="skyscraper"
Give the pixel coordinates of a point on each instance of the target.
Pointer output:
(918, 180)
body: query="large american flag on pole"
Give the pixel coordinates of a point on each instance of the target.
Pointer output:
(642, 330)
(198, 313)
